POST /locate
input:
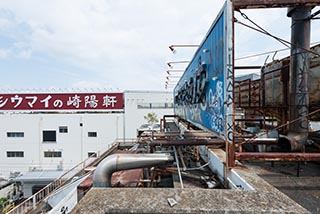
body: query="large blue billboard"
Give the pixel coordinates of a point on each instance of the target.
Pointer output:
(204, 93)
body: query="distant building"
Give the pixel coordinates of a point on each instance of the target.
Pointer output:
(252, 76)
(51, 131)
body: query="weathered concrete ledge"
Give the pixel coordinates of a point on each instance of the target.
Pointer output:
(137, 200)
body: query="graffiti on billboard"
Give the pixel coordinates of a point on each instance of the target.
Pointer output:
(203, 93)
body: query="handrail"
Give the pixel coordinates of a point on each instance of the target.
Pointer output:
(8, 206)
(32, 202)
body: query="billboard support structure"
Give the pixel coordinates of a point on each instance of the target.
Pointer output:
(204, 93)
(229, 78)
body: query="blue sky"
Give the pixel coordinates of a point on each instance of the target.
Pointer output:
(119, 44)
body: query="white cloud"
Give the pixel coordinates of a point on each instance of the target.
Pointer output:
(3, 53)
(114, 39)
(87, 84)
(123, 43)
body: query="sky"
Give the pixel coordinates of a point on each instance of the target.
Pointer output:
(118, 45)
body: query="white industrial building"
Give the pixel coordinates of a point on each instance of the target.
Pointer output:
(53, 138)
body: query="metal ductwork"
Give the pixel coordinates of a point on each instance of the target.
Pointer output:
(299, 69)
(292, 142)
(117, 162)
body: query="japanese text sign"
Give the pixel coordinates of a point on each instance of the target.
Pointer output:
(75, 101)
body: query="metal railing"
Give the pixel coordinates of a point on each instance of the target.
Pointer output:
(34, 200)
(7, 206)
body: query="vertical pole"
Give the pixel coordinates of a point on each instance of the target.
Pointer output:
(34, 203)
(124, 126)
(229, 84)
(117, 127)
(299, 68)
(124, 117)
(82, 137)
(178, 166)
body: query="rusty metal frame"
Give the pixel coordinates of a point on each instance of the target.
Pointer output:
(251, 4)
(277, 156)
(187, 142)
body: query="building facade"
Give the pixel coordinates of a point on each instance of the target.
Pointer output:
(52, 137)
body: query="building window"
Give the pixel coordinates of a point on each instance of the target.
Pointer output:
(169, 105)
(50, 154)
(92, 154)
(15, 154)
(144, 106)
(15, 134)
(158, 105)
(49, 136)
(92, 134)
(154, 105)
(63, 129)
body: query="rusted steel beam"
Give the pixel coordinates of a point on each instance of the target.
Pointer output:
(187, 142)
(164, 134)
(188, 134)
(197, 134)
(248, 4)
(257, 141)
(181, 158)
(175, 170)
(277, 156)
(247, 67)
(253, 119)
(231, 159)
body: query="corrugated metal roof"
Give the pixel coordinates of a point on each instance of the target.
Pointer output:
(45, 175)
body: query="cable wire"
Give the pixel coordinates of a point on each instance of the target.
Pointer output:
(261, 54)
(269, 52)
(313, 16)
(277, 38)
(262, 29)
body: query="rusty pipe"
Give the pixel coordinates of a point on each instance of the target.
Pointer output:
(277, 156)
(292, 141)
(299, 68)
(117, 162)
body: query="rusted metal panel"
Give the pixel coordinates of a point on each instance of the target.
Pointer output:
(314, 76)
(275, 81)
(277, 156)
(275, 85)
(274, 89)
(247, 93)
(248, 4)
(127, 178)
(86, 184)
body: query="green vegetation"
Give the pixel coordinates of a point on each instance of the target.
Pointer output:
(151, 118)
(3, 201)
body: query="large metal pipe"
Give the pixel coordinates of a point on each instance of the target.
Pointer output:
(117, 162)
(299, 68)
(292, 142)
